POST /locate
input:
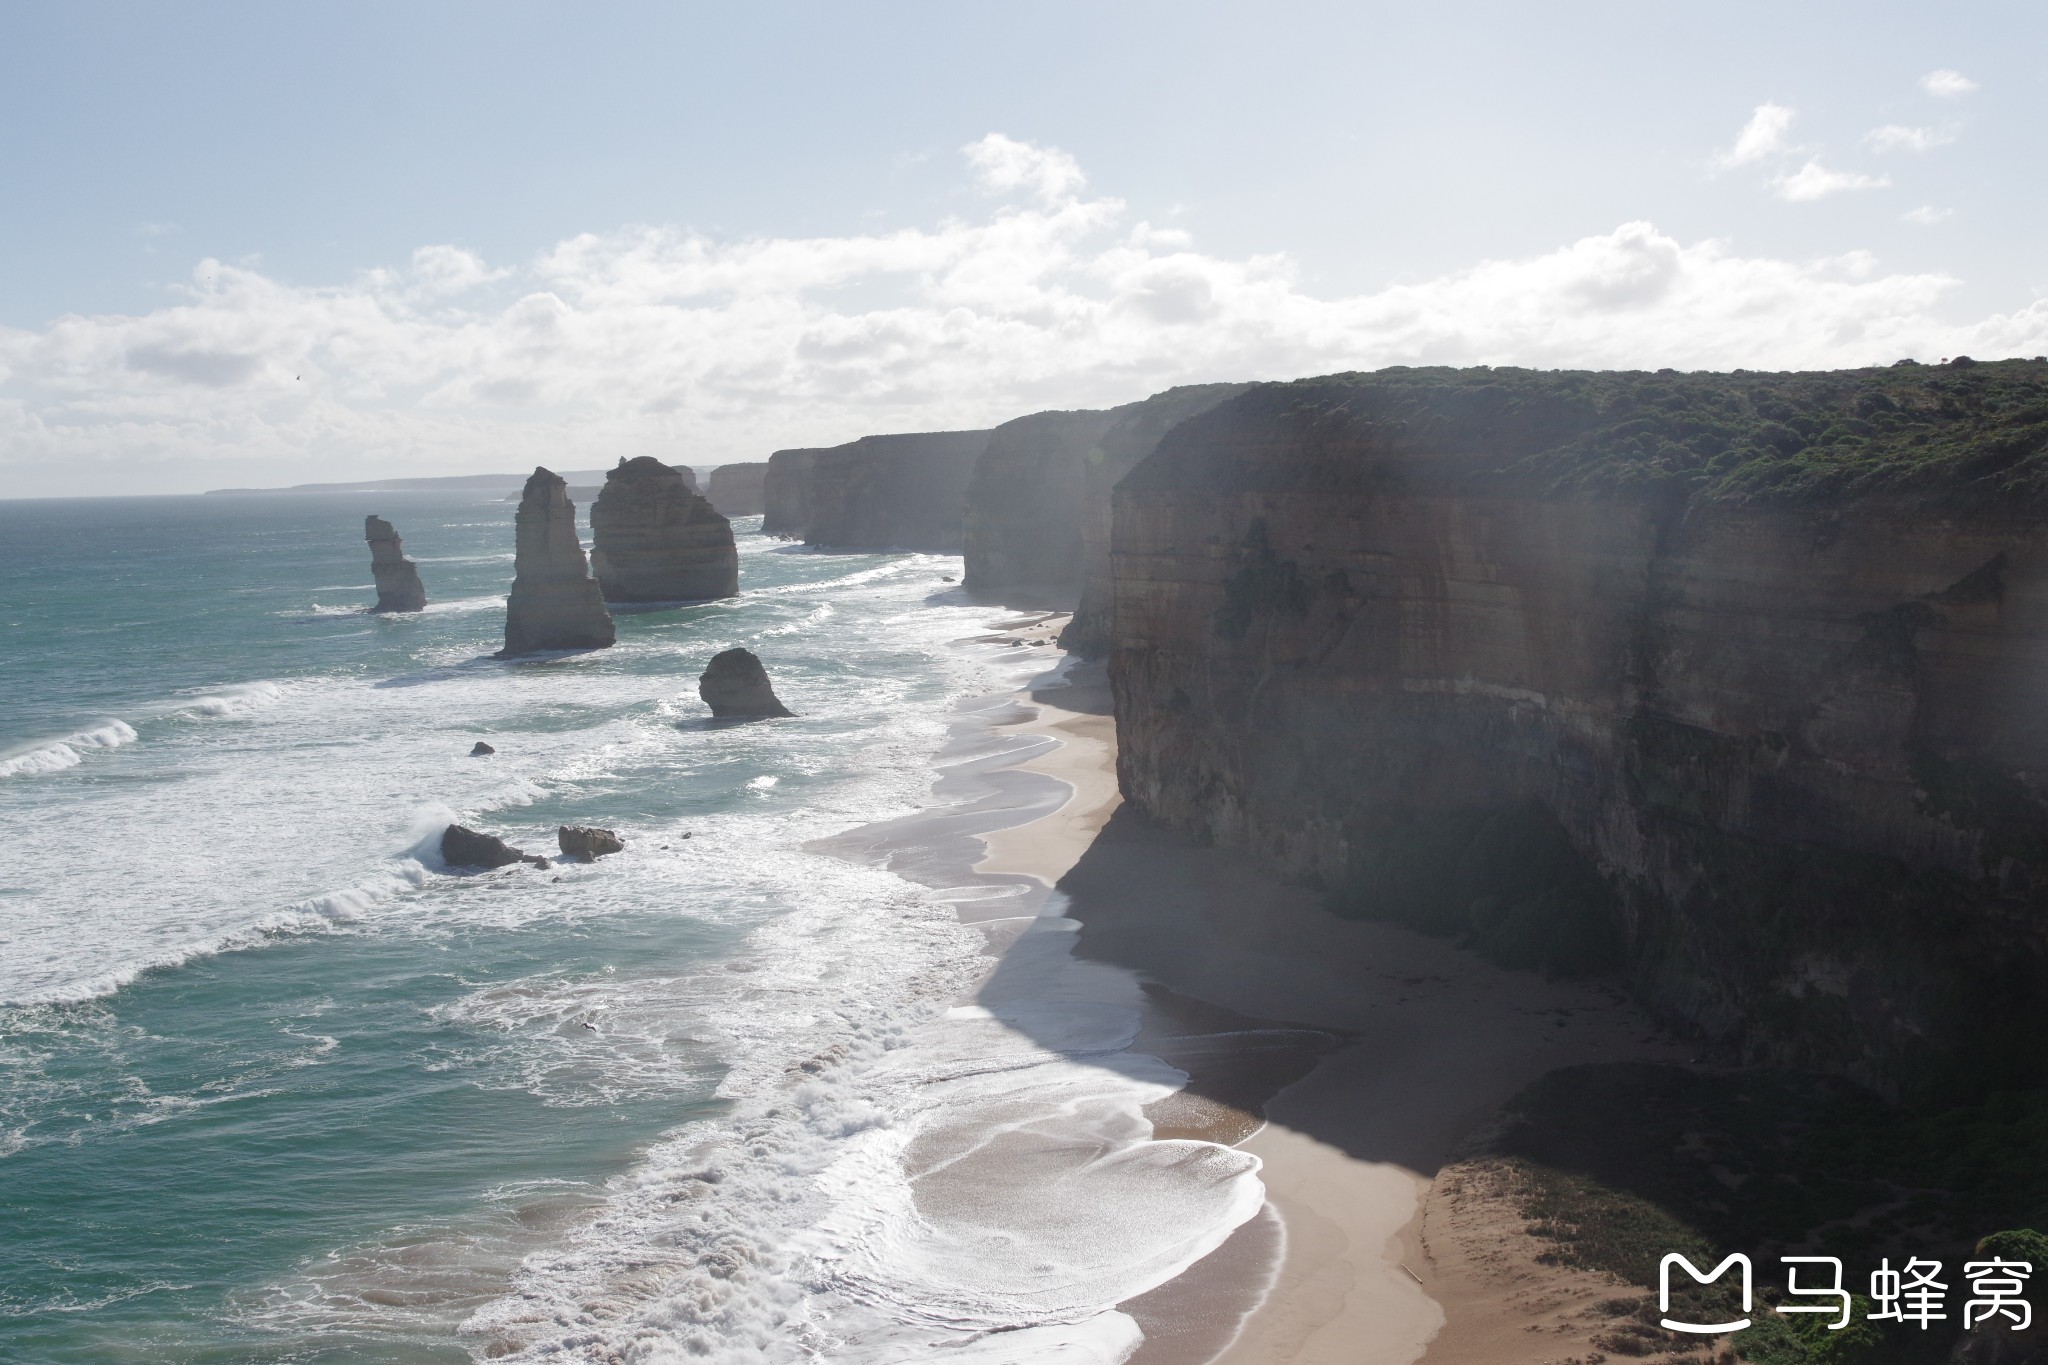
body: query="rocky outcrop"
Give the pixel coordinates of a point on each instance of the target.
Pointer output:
(786, 493)
(462, 846)
(588, 843)
(1134, 435)
(653, 540)
(739, 490)
(398, 578)
(905, 492)
(1736, 678)
(735, 686)
(481, 750)
(555, 603)
(1023, 515)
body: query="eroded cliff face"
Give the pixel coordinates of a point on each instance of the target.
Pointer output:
(904, 492)
(654, 540)
(737, 490)
(1531, 660)
(1023, 512)
(398, 579)
(555, 603)
(1134, 434)
(786, 493)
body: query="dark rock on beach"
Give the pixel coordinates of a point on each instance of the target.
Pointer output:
(735, 687)
(587, 843)
(655, 540)
(555, 603)
(462, 846)
(398, 578)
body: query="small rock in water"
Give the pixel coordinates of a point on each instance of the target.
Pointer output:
(735, 687)
(481, 749)
(948, 578)
(462, 846)
(588, 842)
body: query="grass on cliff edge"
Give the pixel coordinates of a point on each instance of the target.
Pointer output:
(1616, 1165)
(1975, 431)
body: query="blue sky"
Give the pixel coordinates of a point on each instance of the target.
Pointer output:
(254, 243)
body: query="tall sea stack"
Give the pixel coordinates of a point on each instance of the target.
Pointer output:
(555, 603)
(398, 578)
(653, 540)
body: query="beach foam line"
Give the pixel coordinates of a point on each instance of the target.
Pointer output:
(238, 700)
(54, 756)
(326, 913)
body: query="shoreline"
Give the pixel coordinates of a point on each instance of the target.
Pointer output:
(1411, 1054)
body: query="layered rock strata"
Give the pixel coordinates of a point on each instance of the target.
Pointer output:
(653, 540)
(555, 603)
(397, 578)
(786, 493)
(1134, 435)
(1022, 528)
(735, 686)
(1736, 678)
(739, 490)
(906, 492)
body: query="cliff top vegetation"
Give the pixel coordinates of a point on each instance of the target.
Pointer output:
(1964, 430)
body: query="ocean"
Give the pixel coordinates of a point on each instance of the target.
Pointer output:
(277, 1086)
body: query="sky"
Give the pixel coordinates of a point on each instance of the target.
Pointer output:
(260, 244)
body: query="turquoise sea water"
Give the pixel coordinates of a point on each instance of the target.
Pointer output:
(274, 1086)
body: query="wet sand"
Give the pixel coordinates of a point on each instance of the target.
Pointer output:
(1350, 1057)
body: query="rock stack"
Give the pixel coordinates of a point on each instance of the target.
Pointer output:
(653, 540)
(398, 578)
(735, 687)
(555, 603)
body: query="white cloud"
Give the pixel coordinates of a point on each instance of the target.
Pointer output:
(1894, 137)
(1004, 164)
(659, 341)
(1762, 136)
(1815, 181)
(1947, 84)
(1927, 215)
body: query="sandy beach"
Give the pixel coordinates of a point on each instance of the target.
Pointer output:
(1379, 1051)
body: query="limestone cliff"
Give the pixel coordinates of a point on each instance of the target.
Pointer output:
(1023, 515)
(555, 603)
(397, 578)
(1737, 678)
(906, 492)
(1134, 435)
(786, 493)
(653, 540)
(736, 490)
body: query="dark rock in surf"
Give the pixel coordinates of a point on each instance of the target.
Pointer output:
(555, 603)
(655, 540)
(462, 846)
(481, 749)
(735, 687)
(588, 843)
(398, 578)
